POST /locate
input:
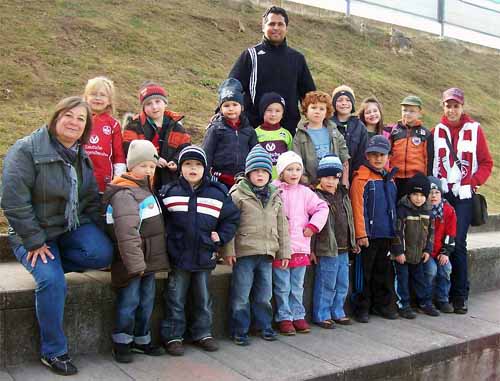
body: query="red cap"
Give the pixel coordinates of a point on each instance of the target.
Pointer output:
(152, 91)
(454, 94)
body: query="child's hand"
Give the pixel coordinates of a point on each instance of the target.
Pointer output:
(284, 263)
(308, 232)
(172, 166)
(425, 256)
(162, 163)
(356, 249)
(314, 260)
(401, 259)
(230, 261)
(214, 237)
(443, 259)
(363, 242)
(141, 274)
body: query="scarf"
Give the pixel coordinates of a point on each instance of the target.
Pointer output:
(453, 176)
(70, 156)
(262, 193)
(437, 211)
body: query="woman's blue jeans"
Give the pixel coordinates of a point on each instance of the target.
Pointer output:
(84, 248)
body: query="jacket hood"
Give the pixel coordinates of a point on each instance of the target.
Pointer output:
(464, 118)
(175, 116)
(126, 180)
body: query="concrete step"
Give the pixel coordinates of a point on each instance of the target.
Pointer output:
(492, 225)
(89, 306)
(449, 347)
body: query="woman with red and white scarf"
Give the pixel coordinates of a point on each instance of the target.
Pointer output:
(460, 180)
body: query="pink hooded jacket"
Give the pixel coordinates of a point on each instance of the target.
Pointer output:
(303, 208)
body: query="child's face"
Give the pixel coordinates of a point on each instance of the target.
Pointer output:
(98, 100)
(231, 110)
(409, 114)
(453, 110)
(377, 160)
(273, 113)
(143, 169)
(292, 174)
(192, 171)
(155, 108)
(372, 114)
(259, 177)
(435, 196)
(418, 199)
(329, 183)
(316, 112)
(343, 105)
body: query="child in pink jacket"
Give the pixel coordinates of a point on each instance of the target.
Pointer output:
(307, 214)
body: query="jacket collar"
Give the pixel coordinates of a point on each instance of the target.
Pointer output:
(244, 186)
(268, 44)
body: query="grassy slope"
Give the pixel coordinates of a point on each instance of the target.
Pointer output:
(50, 48)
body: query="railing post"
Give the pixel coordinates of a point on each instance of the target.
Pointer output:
(348, 8)
(441, 15)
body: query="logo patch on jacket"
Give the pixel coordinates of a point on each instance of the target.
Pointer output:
(106, 130)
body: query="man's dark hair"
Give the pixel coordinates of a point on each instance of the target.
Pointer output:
(277, 11)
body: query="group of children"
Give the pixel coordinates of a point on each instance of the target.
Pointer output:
(270, 205)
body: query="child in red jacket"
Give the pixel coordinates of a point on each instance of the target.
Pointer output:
(105, 143)
(438, 267)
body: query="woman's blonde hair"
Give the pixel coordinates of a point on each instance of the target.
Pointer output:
(102, 82)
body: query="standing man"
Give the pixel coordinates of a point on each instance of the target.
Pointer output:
(273, 66)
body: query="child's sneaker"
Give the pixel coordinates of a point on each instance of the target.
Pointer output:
(301, 326)
(429, 310)
(241, 340)
(444, 307)
(268, 334)
(208, 344)
(122, 352)
(148, 349)
(286, 328)
(175, 347)
(407, 313)
(362, 317)
(62, 365)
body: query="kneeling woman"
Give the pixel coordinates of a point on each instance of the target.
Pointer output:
(51, 201)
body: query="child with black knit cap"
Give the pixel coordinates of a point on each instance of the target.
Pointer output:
(229, 137)
(271, 135)
(412, 246)
(261, 237)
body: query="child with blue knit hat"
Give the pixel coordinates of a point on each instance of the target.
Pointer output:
(229, 137)
(261, 237)
(331, 246)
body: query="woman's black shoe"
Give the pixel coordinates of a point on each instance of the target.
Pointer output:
(61, 365)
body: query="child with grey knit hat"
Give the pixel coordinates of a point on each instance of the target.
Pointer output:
(261, 237)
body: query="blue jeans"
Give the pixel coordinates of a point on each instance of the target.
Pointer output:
(134, 307)
(251, 284)
(459, 291)
(179, 282)
(413, 273)
(331, 284)
(288, 293)
(439, 278)
(87, 247)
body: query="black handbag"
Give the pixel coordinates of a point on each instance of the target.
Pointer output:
(479, 204)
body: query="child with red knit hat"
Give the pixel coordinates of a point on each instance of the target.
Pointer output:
(160, 126)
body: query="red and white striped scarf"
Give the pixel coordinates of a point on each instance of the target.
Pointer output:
(445, 168)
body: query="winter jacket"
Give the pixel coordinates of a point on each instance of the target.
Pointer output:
(226, 147)
(36, 187)
(414, 231)
(134, 220)
(356, 138)
(304, 146)
(324, 244)
(262, 230)
(105, 149)
(303, 208)
(191, 216)
(445, 231)
(169, 140)
(412, 150)
(373, 198)
(264, 68)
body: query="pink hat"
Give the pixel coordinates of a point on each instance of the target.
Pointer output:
(454, 94)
